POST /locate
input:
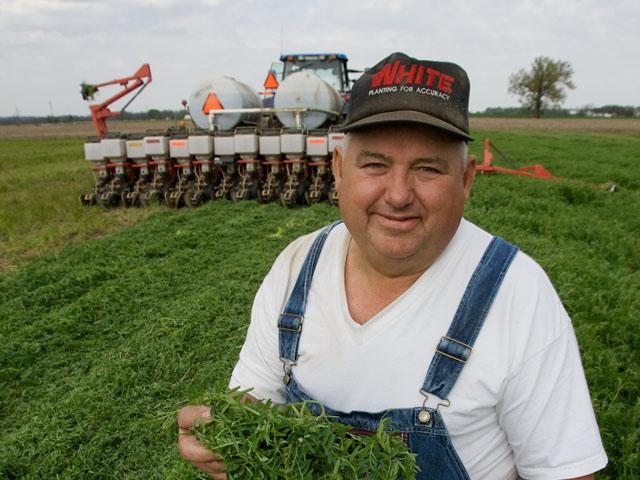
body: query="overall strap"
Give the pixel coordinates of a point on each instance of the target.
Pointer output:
(292, 316)
(454, 349)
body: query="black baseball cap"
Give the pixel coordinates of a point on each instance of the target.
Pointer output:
(402, 89)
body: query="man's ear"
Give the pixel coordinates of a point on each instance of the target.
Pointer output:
(336, 165)
(468, 175)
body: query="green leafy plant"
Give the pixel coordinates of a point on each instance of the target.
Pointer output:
(88, 91)
(264, 440)
(109, 319)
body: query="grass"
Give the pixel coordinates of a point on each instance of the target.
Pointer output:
(266, 441)
(102, 341)
(40, 211)
(98, 342)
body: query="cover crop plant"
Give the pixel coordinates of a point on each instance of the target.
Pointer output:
(112, 320)
(264, 440)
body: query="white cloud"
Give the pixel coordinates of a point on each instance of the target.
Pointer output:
(29, 7)
(48, 47)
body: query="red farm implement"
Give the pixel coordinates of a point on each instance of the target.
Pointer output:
(120, 166)
(100, 111)
(534, 171)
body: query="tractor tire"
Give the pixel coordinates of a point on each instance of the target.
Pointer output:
(266, 196)
(254, 189)
(206, 194)
(88, 199)
(224, 191)
(108, 200)
(312, 197)
(130, 199)
(288, 198)
(333, 197)
(193, 198)
(150, 198)
(238, 195)
(174, 199)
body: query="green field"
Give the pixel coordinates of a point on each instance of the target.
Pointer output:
(40, 185)
(105, 331)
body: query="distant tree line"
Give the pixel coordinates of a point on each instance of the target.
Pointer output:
(608, 111)
(613, 110)
(617, 111)
(153, 114)
(543, 88)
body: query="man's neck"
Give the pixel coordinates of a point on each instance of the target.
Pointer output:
(384, 270)
(372, 287)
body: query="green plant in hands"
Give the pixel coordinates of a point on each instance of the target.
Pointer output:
(88, 91)
(264, 440)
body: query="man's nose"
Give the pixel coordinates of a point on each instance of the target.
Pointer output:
(399, 189)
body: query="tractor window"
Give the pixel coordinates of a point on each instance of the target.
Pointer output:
(328, 70)
(277, 68)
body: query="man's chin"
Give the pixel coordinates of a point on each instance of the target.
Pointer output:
(394, 251)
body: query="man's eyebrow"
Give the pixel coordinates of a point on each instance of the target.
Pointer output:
(430, 160)
(368, 154)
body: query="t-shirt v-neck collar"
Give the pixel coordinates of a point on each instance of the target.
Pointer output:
(395, 311)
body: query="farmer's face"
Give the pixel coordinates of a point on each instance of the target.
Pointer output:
(402, 191)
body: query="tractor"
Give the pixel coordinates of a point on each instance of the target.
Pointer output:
(272, 146)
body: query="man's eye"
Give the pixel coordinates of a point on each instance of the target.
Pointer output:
(429, 170)
(374, 166)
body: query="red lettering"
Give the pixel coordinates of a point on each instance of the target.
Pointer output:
(431, 76)
(403, 73)
(394, 73)
(445, 83)
(386, 75)
(419, 76)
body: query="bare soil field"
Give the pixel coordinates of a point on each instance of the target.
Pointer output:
(78, 129)
(603, 125)
(84, 129)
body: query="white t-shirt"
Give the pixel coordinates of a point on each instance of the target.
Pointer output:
(521, 401)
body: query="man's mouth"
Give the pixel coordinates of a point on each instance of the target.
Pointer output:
(397, 222)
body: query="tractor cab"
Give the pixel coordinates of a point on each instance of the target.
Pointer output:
(330, 67)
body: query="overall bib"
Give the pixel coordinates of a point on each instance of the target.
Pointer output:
(422, 428)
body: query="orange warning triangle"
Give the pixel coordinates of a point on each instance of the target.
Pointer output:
(211, 103)
(271, 82)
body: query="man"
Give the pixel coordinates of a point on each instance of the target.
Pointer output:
(408, 310)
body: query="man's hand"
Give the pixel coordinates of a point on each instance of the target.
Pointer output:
(192, 450)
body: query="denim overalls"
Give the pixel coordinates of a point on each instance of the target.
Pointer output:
(421, 427)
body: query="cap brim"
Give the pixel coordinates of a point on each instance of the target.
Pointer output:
(403, 116)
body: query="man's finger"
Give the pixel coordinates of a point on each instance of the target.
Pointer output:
(187, 416)
(211, 468)
(192, 450)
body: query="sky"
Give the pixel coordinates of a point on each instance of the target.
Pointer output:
(48, 47)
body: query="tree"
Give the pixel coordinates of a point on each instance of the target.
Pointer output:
(542, 86)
